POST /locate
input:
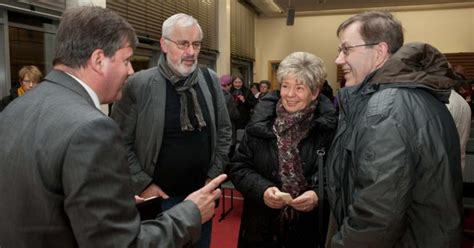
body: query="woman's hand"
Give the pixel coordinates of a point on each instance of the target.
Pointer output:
(241, 98)
(272, 200)
(305, 202)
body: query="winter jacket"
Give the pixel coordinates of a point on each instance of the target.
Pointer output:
(244, 108)
(254, 168)
(394, 170)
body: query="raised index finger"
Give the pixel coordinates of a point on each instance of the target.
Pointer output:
(214, 183)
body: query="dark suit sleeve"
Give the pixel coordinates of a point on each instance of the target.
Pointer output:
(99, 200)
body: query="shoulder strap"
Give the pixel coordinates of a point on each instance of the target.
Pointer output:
(207, 77)
(321, 227)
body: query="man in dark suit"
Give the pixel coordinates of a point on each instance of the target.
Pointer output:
(64, 175)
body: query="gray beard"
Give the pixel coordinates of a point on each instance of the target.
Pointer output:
(176, 70)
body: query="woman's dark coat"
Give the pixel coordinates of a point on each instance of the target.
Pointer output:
(254, 168)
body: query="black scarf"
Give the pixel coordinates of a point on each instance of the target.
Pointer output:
(185, 88)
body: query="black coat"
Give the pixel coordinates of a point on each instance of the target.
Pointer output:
(8, 99)
(244, 108)
(254, 168)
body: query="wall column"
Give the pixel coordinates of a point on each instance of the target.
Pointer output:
(223, 59)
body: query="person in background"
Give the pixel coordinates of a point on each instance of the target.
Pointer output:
(264, 87)
(463, 87)
(282, 150)
(327, 91)
(244, 99)
(175, 121)
(461, 113)
(226, 84)
(394, 168)
(64, 176)
(29, 77)
(459, 72)
(255, 89)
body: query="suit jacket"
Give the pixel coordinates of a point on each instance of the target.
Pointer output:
(141, 116)
(65, 180)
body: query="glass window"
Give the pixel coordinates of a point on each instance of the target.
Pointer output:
(31, 41)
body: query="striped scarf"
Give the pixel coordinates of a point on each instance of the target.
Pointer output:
(184, 87)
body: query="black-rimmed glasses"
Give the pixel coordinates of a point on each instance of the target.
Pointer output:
(345, 49)
(183, 44)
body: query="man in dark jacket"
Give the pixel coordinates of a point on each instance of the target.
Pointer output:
(394, 168)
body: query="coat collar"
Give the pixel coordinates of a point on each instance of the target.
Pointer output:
(417, 65)
(63, 79)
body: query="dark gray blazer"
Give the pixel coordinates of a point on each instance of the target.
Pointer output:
(65, 181)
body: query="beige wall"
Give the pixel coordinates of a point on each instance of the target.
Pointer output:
(450, 30)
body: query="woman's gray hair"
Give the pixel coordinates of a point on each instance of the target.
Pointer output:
(182, 20)
(305, 67)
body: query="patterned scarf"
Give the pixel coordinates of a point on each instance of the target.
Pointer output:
(184, 87)
(290, 129)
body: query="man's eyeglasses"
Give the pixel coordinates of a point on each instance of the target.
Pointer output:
(346, 49)
(183, 44)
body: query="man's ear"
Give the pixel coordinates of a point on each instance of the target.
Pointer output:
(382, 53)
(383, 50)
(164, 48)
(96, 60)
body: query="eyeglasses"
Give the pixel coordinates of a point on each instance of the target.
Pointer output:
(183, 44)
(345, 49)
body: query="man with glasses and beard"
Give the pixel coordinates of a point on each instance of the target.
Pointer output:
(174, 121)
(394, 169)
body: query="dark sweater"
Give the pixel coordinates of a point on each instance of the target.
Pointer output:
(184, 158)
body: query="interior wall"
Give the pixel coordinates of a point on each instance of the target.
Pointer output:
(450, 30)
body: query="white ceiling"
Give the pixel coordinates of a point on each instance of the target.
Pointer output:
(279, 8)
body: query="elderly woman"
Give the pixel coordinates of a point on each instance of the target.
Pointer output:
(29, 77)
(279, 154)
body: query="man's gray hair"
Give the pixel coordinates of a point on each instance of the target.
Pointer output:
(305, 67)
(182, 20)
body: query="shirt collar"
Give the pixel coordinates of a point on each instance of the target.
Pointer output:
(89, 90)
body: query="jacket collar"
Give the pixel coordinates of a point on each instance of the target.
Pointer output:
(63, 79)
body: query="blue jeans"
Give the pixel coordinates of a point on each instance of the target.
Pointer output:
(206, 229)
